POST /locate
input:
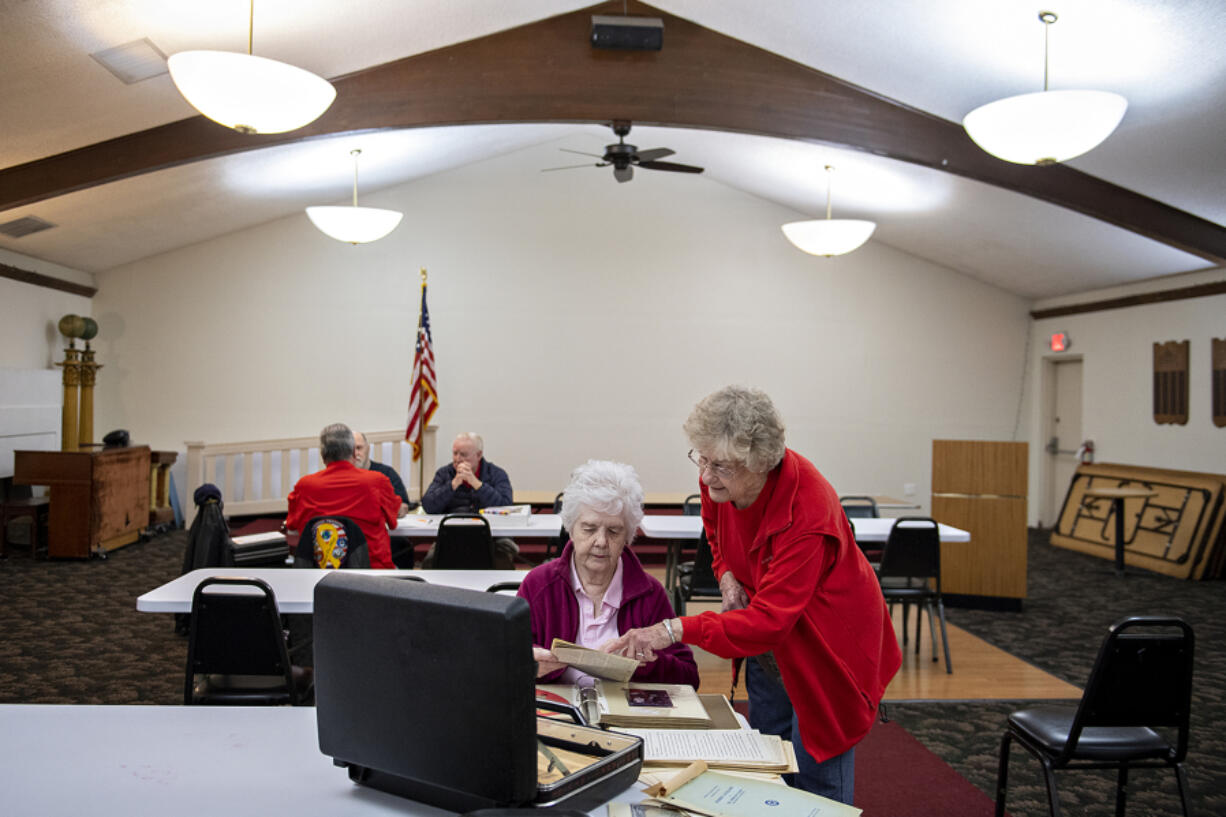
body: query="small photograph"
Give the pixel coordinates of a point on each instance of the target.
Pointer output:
(657, 698)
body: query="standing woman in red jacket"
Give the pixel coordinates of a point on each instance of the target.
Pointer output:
(798, 594)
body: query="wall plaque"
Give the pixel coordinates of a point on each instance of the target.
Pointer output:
(1171, 382)
(1219, 382)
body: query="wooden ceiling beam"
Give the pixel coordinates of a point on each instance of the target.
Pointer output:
(547, 72)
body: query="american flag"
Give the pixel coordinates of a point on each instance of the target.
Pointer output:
(423, 398)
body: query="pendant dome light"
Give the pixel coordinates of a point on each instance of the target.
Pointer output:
(829, 236)
(1047, 127)
(247, 93)
(355, 225)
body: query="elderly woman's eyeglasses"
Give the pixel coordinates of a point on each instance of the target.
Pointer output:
(720, 469)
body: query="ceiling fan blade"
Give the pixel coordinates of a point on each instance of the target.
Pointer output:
(570, 167)
(673, 166)
(623, 174)
(582, 153)
(654, 153)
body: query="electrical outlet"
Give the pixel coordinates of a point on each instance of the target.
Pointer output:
(908, 489)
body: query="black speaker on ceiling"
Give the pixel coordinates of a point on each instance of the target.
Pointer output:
(627, 33)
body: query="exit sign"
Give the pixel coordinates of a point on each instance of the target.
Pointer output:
(1060, 342)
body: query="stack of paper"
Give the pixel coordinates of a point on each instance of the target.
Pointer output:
(739, 749)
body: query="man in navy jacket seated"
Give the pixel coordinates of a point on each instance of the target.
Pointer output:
(470, 482)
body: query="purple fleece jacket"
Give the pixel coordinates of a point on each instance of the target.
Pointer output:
(555, 614)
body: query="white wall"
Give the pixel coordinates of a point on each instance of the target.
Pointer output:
(29, 314)
(30, 343)
(1116, 349)
(573, 318)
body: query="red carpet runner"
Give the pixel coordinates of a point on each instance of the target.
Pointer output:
(896, 776)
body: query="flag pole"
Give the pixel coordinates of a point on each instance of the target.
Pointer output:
(421, 461)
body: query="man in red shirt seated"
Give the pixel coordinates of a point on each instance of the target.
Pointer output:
(343, 489)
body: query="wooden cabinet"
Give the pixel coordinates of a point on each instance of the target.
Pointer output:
(99, 499)
(980, 486)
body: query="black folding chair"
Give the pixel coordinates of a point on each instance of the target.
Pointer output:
(692, 505)
(696, 579)
(1141, 682)
(556, 545)
(236, 650)
(862, 507)
(910, 572)
(332, 542)
(464, 543)
(859, 507)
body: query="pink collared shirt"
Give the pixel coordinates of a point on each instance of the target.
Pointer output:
(595, 627)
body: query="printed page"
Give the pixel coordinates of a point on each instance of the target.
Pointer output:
(722, 795)
(741, 746)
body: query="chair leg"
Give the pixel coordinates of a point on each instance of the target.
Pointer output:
(949, 666)
(906, 605)
(1049, 777)
(1181, 780)
(1121, 786)
(1002, 774)
(919, 620)
(932, 627)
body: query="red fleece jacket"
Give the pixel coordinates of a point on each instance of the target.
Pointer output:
(814, 601)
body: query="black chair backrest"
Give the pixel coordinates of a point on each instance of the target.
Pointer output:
(464, 543)
(236, 630)
(859, 507)
(332, 542)
(1142, 677)
(692, 505)
(913, 549)
(702, 578)
(557, 502)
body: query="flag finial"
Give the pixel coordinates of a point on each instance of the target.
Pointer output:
(423, 276)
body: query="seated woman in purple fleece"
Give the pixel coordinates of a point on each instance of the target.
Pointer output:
(597, 588)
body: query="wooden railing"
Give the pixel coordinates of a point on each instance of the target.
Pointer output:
(256, 477)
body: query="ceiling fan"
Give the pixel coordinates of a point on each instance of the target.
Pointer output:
(625, 157)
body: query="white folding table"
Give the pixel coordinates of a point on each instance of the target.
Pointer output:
(677, 529)
(295, 588)
(69, 761)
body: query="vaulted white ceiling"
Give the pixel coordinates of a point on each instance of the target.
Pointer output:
(943, 56)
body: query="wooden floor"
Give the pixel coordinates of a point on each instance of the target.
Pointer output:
(981, 671)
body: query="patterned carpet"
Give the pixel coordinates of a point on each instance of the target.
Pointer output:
(72, 635)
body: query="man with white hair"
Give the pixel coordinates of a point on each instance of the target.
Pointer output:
(470, 482)
(361, 458)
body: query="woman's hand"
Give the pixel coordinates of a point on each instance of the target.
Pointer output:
(734, 596)
(640, 644)
(546, 662)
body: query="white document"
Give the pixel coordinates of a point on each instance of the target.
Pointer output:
(594, 662)
(740, 746)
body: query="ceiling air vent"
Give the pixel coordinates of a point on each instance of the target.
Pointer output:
(24, 226)
(133, 62)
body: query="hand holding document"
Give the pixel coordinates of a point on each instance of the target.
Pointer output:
(594, 662)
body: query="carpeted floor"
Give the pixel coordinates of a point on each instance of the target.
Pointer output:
(72, 635)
